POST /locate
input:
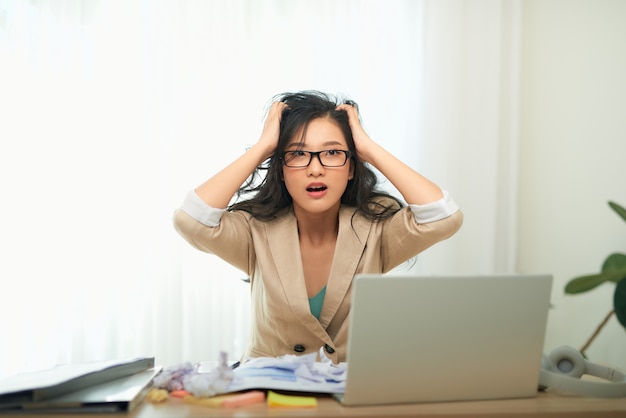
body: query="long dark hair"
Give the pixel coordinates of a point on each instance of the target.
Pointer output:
(269, 194)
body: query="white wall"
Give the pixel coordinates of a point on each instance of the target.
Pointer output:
(573, 160)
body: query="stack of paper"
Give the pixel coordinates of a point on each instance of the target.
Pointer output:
(291, 373)
(110, 386)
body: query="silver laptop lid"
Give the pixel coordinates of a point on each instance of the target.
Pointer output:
(426, 339)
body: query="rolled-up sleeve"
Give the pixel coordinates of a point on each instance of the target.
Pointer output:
(216, 231)
(200, 211)
(435, 211)
(418, 227)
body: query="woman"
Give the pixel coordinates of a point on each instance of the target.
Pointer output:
(314, 221)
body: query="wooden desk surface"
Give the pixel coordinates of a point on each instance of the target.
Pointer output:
(544, 405)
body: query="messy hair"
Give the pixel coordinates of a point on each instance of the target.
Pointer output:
(269, 193)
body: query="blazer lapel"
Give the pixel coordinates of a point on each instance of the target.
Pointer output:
(353, 233)
(285, 249)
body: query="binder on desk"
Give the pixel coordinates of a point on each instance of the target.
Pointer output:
(46, 387)
(118, 395)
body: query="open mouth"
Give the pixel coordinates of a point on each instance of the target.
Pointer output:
(320, 188)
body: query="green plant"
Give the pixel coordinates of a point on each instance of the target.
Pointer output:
(613, 270)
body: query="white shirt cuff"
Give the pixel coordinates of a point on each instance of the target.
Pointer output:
(434, 211)
(200, 211)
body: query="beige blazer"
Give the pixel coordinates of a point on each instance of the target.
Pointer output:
(269, 252)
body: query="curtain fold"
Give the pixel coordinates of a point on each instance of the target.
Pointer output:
(112, 111)
(471, 131)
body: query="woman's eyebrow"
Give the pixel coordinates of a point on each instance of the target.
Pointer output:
(332, 143)
(304, 144)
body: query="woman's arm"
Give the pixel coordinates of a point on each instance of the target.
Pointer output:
(219, 189)
(415, 188)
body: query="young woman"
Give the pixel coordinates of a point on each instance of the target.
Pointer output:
(314, 221)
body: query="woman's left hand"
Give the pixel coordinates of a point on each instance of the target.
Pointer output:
(362, 141)
(415, 188)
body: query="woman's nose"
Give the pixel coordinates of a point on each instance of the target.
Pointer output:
(315, 167)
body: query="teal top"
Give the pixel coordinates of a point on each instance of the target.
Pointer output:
(316, 302)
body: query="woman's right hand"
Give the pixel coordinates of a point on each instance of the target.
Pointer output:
(271, 128)
(218, 191)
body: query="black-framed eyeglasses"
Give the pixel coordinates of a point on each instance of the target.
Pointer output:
(328, 158)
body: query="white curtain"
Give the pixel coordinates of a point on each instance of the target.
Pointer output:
(110, 111)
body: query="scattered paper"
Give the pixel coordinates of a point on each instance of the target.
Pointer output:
(290, 372)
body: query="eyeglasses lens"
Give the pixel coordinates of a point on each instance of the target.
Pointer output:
(328, 158)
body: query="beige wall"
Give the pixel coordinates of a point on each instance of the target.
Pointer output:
(573, 160)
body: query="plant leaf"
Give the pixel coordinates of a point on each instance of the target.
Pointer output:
(619, 302)
(582, 284)
(618, 209)
(614, 262)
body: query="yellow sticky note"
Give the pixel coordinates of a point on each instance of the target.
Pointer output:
(290, 401)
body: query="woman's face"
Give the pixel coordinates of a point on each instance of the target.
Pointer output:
(317, 189)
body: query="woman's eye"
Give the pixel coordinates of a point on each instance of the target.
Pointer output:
(331, 152)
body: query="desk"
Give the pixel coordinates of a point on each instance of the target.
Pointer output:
(545, 405)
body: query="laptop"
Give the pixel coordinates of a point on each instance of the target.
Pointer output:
(449, 338)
